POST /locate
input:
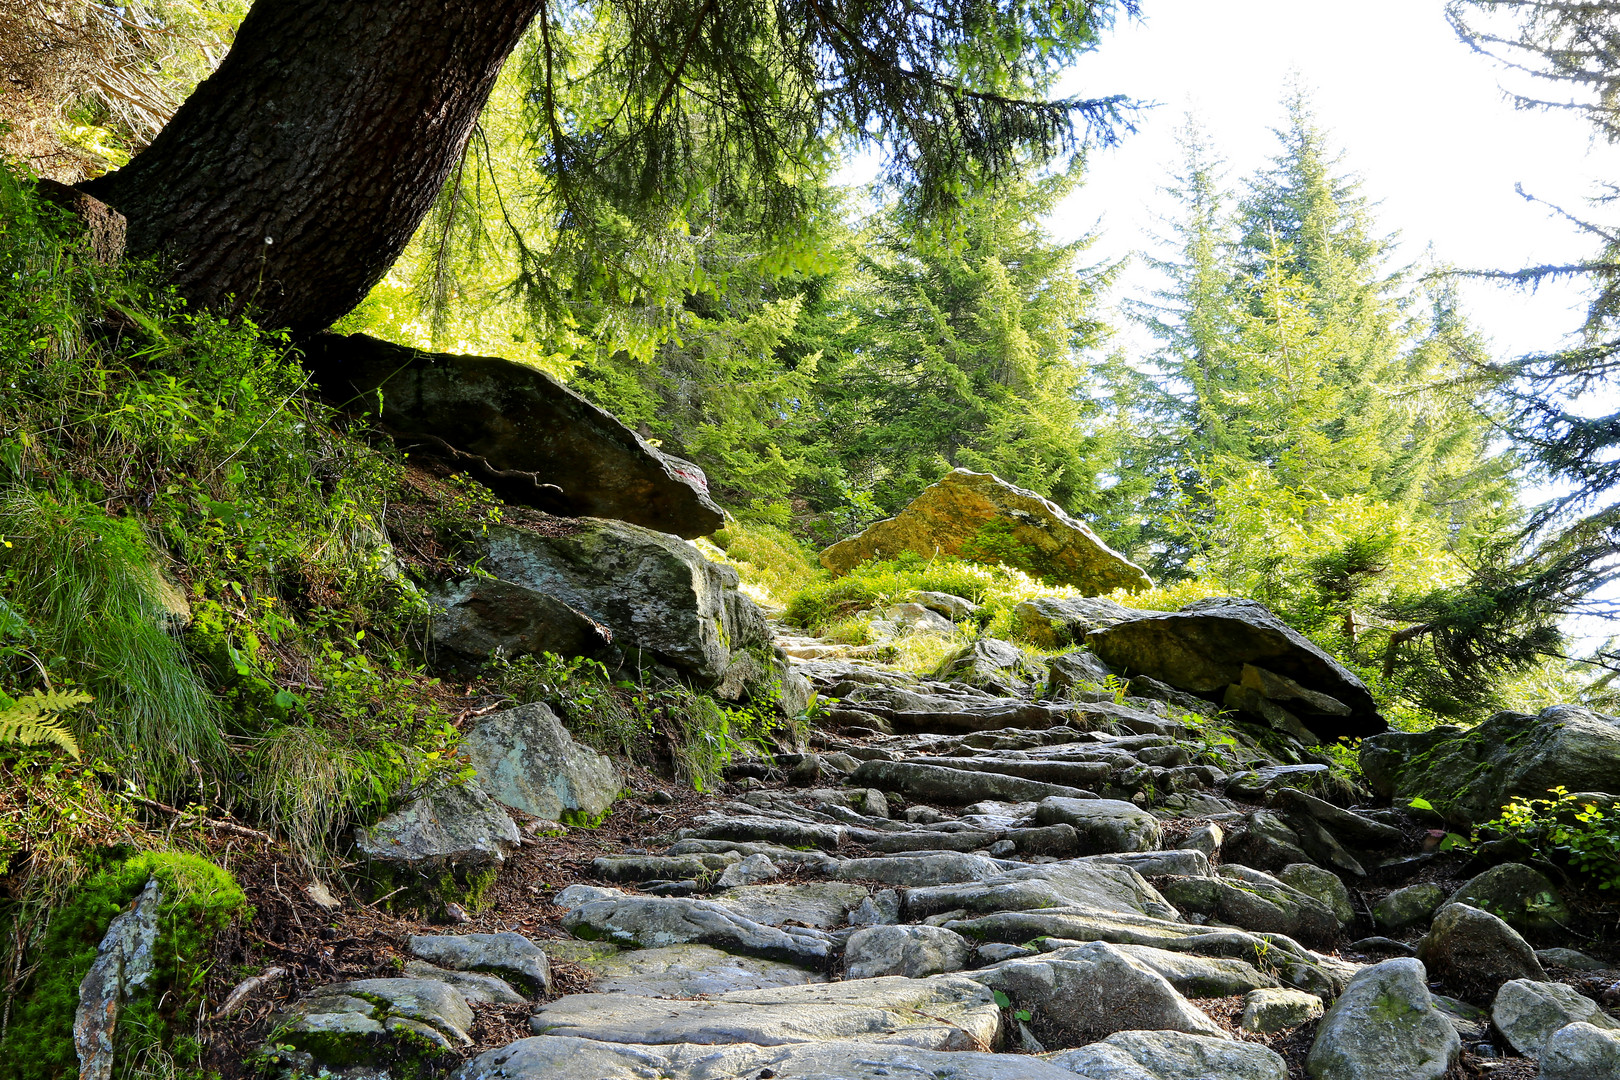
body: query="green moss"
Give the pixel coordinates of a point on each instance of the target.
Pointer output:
(199, 900)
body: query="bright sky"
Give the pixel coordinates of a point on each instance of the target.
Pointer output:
(1419, 116)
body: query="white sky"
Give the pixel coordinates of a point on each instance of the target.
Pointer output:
(1419, 116)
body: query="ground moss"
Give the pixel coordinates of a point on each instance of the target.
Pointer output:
(199, 900)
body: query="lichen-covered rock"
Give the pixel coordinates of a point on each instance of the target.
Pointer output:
(1408, 907)
(1472, 953)
(1268, 1011)
(1519, 895)
(1103, 825)
(1055, 621)
(1384, 1025)
(123, 963)
(1528, 1013)
(1095, 992)
(912, 951)
(982, 518)
(1470, 774)
(1204, 647)
(526, 759)
(1581, 1052)
(989, 664)
(683, 971)
(449, 825)
(650, 922)
(1323, 885)
(346, 1023)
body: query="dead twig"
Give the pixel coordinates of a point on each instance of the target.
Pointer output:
(244, 989)
(212, 823)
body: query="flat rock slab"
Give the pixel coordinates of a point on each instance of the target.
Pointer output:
(651, 922)
(912, 870)
(1172, 1055)
(1203, 648)
(982, 518)
(571, 457)
(557, 1057)
(337, 1021)
(526, 759)
(683, 971)
(945, 1012)
(823, 905)
(1194, 976)
(1074, 885)
(508, 955)
(940, 783)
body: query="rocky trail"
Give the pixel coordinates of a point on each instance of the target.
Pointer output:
(997, 873)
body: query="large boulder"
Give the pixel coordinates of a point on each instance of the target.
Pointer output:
(1529, 1013)
(1581, 1052)
(1384, 1025)
(1053, 622)
(654, 594)
(527, 760)
(1471, 953)
(523, 433)
(448, 826)
(1171, 1055)
(982, 518)
(912, 951)
(1470, 774)
(1207, 645)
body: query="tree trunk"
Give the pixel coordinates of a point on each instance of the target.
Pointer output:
(291, 180)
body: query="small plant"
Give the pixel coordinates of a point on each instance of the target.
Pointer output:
(30, 720)
(1565, 830)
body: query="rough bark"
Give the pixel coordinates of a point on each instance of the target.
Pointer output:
(291, 180)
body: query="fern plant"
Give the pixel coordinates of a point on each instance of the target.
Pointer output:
(35, 719)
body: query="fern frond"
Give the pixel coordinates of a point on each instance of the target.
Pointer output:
(31, 720)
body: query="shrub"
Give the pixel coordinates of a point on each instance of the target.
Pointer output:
(1569, 831)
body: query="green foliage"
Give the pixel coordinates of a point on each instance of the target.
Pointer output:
(1566, 830)
(198, 900)
(997, 589)
(28, 720)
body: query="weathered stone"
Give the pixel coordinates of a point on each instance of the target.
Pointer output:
(748, 830)
(941, 869)
(1472, 953)
(1145, 687)
(751, 870)
(662, 867)
(988, 663)
(1055, 621)
(1097, 991)
(1468, 775)
(916, 619)
(1271, 1011)
(821, 904)
(1183, 862)
(1523, 897)
(1065, 672)
(1245, 897)
(476, 988)
(1172, 1055)
(1581, 1052)
(1194, 976)
(954, 608)
(123, 964)
(556, 1057)
(652, 922)
(945, 1012)
(477, 618)
(1527, 1013)
(912, 951)
(448, 825)
(1204, 646)
(683, 971)
(341, 1023)
(1078, 885)
(1264, 841)
(1322, 885)
(526, 759)
(1572, 959)
(980, 517)
(658, 596)
(523, 433)
(1384, 1025)
(1408, 907)
(511, 956)
(955, 786)
(1103, 825)
(1352, 828)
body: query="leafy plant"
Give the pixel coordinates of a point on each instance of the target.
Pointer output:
(1564, 830)
(29, 720)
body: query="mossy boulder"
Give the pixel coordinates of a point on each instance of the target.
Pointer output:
(981, 518)
(1468, 775)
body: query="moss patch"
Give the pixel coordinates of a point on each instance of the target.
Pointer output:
(199, 900)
